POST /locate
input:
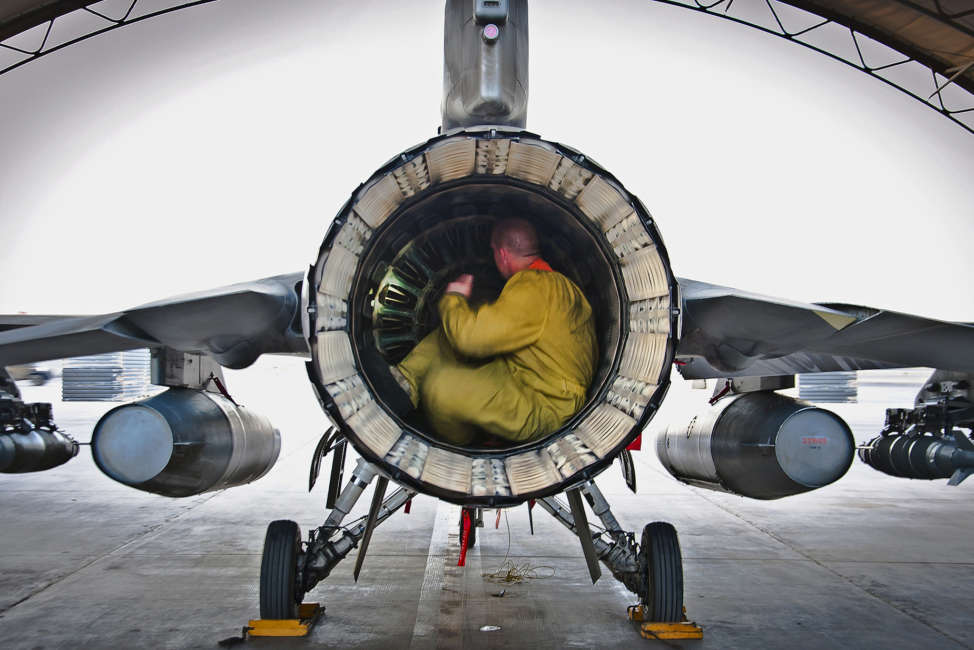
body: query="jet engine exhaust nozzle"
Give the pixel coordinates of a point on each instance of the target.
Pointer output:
(425, 218)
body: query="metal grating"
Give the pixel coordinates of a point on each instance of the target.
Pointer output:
(892, 58)
(64, 30)
(921, 47)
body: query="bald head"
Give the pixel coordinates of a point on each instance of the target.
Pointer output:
(515, 244)
(517, 236)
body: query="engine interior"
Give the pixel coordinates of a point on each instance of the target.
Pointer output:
(393, 302)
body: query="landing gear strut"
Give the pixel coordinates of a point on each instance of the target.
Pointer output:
(476, 518)
(290, 569)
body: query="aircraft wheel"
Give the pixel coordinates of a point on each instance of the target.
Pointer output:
(473, 528)
(659, 553)
(278, 568)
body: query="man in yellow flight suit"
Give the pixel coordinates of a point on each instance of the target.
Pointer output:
(516, 368)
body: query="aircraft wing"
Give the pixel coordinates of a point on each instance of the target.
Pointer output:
(732, 333)
(11, 322)
(233, 324)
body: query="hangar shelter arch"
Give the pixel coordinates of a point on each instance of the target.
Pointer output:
(925, 48)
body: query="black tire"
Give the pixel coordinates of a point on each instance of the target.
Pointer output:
(278, 569)
(660, 554)
(472, 540)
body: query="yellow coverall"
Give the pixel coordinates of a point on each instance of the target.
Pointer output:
(516, 368)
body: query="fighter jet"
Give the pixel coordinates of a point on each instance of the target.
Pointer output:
(419, 221)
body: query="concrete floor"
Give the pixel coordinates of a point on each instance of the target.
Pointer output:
(870, 562)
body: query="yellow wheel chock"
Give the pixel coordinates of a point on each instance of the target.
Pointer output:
(308, 615)
(685, 629)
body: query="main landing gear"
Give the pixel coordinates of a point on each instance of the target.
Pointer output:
(289, 568)
(651, 569)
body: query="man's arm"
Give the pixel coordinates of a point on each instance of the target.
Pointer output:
(515, 320)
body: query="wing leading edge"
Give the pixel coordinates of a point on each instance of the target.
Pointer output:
(732, 333)
(233, 324)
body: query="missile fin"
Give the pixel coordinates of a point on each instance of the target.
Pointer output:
(963, 441)
(959, 475)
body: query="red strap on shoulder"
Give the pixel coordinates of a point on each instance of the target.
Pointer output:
(540, 265)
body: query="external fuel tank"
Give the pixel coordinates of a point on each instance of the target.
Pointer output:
(761, 445)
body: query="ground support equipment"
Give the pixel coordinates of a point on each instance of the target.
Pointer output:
(308, 615)
(684, 629)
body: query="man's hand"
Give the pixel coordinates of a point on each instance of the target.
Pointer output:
(462, 285)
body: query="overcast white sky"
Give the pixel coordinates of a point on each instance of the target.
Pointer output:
(215, 145)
